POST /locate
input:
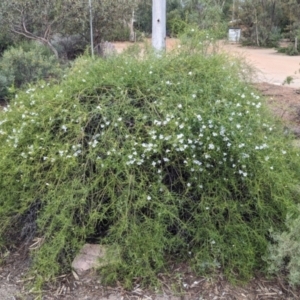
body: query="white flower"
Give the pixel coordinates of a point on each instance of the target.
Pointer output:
(166, 159)
(199, 117)
(23, 155)
(283, 152)
(179, 105)
(64, 128)
(188, 184)
(194, 96)
(211, 146)
(148, 197)
(83, 80)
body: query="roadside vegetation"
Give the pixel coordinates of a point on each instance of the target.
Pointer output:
(160, 160)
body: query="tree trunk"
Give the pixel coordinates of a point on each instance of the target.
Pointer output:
(256, 28)
(52, 48)
(131, 28)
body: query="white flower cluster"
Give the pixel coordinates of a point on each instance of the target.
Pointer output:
(201, 144)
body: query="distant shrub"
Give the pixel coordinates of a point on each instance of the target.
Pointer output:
(175, 24)
(274, 37)
(28, 63)
(70, 47)
(118, 33)
(162, 159)
(290, 50)
(5, 42)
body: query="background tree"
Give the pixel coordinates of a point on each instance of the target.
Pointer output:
(204, 13)
(291, 23)
(42, 20)
(260, 20)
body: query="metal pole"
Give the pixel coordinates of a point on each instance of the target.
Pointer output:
(91, 28)
(159, 9)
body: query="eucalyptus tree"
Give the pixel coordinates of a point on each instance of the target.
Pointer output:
(206, 13)
(261, 20)
(291, 10)
(41, 20)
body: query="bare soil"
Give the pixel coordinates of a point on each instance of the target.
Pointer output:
(284, 102)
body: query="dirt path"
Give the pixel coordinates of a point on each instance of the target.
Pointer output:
(272, 67)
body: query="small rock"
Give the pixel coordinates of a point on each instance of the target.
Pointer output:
(88, 258)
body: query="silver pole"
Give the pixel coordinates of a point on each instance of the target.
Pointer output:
(159, 25)
(91, 28)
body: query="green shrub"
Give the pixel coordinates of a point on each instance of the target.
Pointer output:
(28, 63)
(3, 87)
(284, 252)
(281, 49)
(175, 24)
(70, 47)
(118, 33)
(5, 42)
(290, 50)
(165, 159)
(274, 37)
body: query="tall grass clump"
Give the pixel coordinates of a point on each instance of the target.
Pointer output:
(160, 160)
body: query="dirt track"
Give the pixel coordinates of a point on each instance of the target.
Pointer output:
(271, 67)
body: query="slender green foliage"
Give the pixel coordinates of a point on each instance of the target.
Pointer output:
(164, 159)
